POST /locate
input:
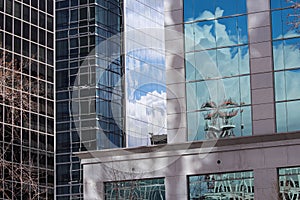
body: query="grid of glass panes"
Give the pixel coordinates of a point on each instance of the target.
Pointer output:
(217, 68)
(286, 59)
(135, 189)
(80, 25)
(235, 185)
(144, 72)
(289, 183)
(27, 98)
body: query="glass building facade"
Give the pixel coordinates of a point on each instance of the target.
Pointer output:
(27, 99)
(103, 87)
(217, 69)
(145, 80)
(87, 72)
(152, 189)
(286, 60)
(235, 185)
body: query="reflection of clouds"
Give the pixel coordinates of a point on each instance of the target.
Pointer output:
(282, 21)
(293, 115)
(287, 116)
(144, 116)
(145, 65)
(287, 85)
(204, 62)
(219, 32)
(286, 54)
(292, 84)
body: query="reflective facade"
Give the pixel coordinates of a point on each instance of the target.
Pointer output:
(289, 183)
(286, 60)
(87, 73)
(237, 185)
(152, 189)
(217, 69)
(27, 99)
(110, 93)
(145, 81)
(226, 77)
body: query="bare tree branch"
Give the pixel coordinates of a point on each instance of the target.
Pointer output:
(19, 174)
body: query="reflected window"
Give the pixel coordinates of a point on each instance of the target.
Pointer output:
(210, 9)
(286, 38)
(289, 183)
(287, 116)
(239, 185)
(217, 69)
(136, 189)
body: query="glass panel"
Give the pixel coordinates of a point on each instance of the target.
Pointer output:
(282, 24)
(281, 118)
(289, 183)
(226, 32)
(228, 61)
(291, 53)
(229, 7)
(222, 186)
(292, 78)
(209, 9)
(205, 36)
(135, 189)
(278, 55)
(280, 93)
(202, 9)
(280, 3)
(219, 103)
(293, 115)
(242, 29)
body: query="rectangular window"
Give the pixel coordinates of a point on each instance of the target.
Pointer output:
(239, 185)
(135, 189)
(289, 179)
(286, 59)
(217, 69)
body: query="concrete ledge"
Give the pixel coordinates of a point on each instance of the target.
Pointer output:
(221, 145)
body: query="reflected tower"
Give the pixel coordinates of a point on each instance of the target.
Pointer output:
(110, 85)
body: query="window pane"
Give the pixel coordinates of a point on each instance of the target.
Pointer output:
(212, 185)
(137, 189)
(289, 182)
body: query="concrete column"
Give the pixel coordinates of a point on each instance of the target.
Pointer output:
(176, 187)
(261, 67)
(175, 72)
(265, 184)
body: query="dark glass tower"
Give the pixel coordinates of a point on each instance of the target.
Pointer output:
(110, 84)
(27, 99)
(87, 73)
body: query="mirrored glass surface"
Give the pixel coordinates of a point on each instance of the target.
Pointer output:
(282, 24)
(136, 189)
(275, 4)
(293, 116)
(286, 54)
(280, 93)
(212, 186)
(292, 78)
(288, 183)
(281, 117)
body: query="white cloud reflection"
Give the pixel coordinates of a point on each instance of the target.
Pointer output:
(145, 71)
(144, 116)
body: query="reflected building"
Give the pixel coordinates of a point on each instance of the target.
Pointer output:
(232, 109)
(27, 99)
(110, 87)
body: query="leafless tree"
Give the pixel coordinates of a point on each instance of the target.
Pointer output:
(19, 179)
(19, 175)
